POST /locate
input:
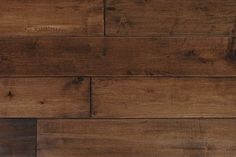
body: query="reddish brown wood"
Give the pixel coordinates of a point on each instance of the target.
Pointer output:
(51, 18)
(139, 138)
(170, 17)
(163, 97)
(209, 56)
(44, 97)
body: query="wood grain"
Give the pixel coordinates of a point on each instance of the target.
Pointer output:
(210, 56)
(44, 97)
(163, 97)
(170, 18)
(17, 138)
(139, 138)
(51, 18)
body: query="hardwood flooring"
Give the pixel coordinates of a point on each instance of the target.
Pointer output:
(117, 78)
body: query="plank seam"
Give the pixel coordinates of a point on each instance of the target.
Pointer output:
(137, 118)
(104, 17)
(36, 138)
(121, 76)
(90, 98)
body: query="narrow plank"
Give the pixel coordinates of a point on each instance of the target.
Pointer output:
(51, 18)
(118, 56)
(44, 97)
(139, 138)
(169, 18)
(18, 138)
(163, 97)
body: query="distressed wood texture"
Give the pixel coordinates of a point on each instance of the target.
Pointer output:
(44, 97)
(18, 138)
(163, 97)
(139, 138)
(118, 56)
(51, 17)
(170, 17)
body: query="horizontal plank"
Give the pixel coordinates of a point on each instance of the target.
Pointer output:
(118, 56)
(44, 97)
(51, 18)
(18, 138)
(163, 97)
(139, 138)
(170, 18)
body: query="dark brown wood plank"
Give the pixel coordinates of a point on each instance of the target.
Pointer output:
(44, 97)
(139, 138)
(163, 97)
(170, 18)
(118, 56)
(18, 138)
(51, 17)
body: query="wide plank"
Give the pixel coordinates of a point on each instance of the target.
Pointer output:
(18, 137)
(170, 17)
(137, 138)
(45, 97)
(163, 97)
(118, 56)
(51, 18)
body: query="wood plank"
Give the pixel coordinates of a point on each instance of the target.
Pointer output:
(118, 56)
(163, 97)
(18, 138)
(51, 18)
(44, 97)
(139, 138)
(170, 18)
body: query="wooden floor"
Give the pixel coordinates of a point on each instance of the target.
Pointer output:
(117, 78)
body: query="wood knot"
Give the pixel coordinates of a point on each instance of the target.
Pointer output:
(74, 83)
(78, 80)
(10, 94)
(190, 54)
(42, 102)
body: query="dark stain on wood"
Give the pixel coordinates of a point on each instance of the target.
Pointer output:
(104, 51)
(142, 2)
(42, 102)
(231, 51)
(32, 45)
(10, 95)
(193, 55)
(76, 82)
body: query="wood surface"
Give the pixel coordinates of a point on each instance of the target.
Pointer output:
(18, 138)
(51, 18)
(44, 97)
(170, 17)
(139, 138)
(118, 78)
(208, 56)
(163, 97)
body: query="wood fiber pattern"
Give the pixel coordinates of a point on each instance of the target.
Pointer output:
(51, 18)
(170, 18)
(120, 78)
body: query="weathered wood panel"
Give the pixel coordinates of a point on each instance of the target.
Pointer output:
(163, 97)
(118, 56)
(139, 138)
(44, 97)
(170, 17)
(51, 17)
(17, 138)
